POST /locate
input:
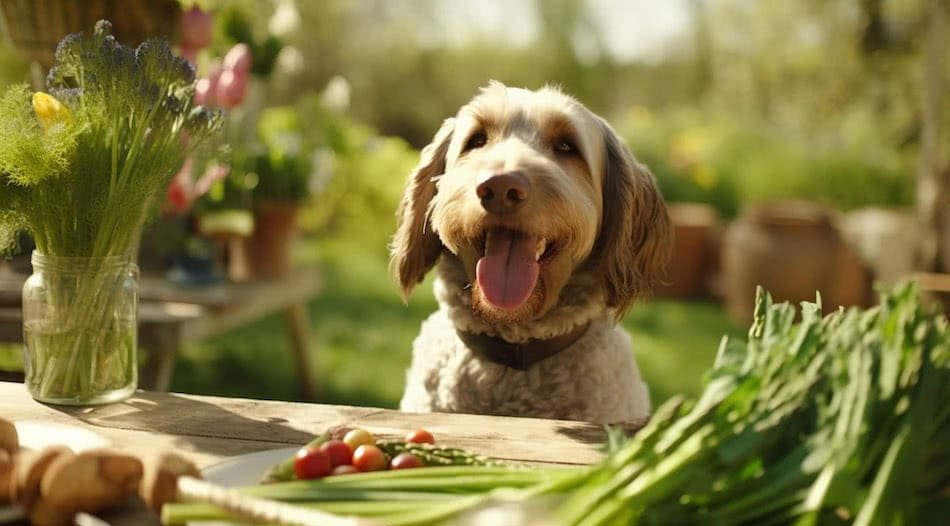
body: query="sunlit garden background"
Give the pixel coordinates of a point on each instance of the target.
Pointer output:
(731, 103)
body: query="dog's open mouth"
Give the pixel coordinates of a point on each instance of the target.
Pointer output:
(508, 270)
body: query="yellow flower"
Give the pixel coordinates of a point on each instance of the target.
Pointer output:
(691, 146)
(49, 110)
(704, 175)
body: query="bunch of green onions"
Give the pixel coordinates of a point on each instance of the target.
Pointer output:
(842, 419)
(83, 166)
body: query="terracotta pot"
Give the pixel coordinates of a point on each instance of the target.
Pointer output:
(886, 239)
(269, 248)
(793, 249)
(35, 27)
(695, 236)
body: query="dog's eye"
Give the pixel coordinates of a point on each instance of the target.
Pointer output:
(477, 140)
(565, 146)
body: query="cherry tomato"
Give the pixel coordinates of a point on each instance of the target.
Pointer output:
(405, 461)
(344, 469)
(358, 437)
(311, 463)
(339, 453)
(369, 458)
(420, 436)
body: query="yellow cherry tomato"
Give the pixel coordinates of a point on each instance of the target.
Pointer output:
(359, 437)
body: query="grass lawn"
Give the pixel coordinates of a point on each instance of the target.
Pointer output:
(362, 335)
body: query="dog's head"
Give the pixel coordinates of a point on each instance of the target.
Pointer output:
(527, 188)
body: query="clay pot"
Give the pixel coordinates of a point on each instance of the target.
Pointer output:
(793, 249)
(269, 248)
(35, 27)
(695, 240)
(886, 239)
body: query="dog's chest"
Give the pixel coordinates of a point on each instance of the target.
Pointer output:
(593, 379)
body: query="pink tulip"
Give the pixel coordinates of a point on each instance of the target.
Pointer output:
(231, 89)
(214, 173)
(203, 94)
(196, 29)
(238, 59)
(206, 88)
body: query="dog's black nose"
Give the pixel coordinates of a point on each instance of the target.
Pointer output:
(503, 193)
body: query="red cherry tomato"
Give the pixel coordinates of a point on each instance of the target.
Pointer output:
(405, 461)
(420, 436)
(344, 469)
(311, 463)
(369, 458)
(340, 454)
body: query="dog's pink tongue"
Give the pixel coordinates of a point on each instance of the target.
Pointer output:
(508, 272)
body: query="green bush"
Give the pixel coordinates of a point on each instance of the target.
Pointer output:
(364, 175)
(726, 165)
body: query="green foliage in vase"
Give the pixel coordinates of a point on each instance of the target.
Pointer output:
(82, 167)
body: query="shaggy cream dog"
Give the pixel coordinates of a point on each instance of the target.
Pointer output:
(545, 229)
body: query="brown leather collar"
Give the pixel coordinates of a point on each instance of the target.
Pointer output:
(519, 356)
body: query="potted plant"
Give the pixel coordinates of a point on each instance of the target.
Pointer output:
(283, 179)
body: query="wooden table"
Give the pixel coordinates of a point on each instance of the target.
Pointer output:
(170, 316)
(209, 429)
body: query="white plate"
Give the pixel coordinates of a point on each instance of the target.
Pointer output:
(246, 470)
(242, 470)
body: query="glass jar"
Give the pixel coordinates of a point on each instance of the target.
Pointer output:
(80, 329)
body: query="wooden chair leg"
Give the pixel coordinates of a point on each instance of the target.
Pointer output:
(298, 328)
(163, 349)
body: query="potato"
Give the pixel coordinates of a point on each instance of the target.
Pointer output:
(28, 470)
(9, 441)
(160, 483)
(92, 480)
(6, 473)
(42, 513)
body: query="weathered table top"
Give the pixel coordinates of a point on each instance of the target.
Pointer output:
(209, 429)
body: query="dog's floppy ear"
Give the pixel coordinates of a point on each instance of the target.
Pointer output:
(635, 238)
(416, 247)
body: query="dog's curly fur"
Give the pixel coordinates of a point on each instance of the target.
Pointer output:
(603, 235)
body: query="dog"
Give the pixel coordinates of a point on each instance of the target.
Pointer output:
(545, 230)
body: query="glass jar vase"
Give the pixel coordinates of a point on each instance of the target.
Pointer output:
(80, 329)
